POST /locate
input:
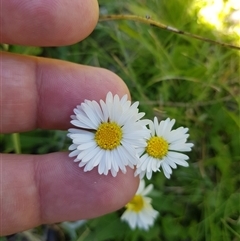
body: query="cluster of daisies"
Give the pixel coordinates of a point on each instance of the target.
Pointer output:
(112, 135)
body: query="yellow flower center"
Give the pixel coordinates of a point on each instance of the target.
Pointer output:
(108, 135)
(136, 204)
(157, 147)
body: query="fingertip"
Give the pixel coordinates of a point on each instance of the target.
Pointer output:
(47, 23)
(75, 83)
(79, 194)
(119, 190)
(110, 82)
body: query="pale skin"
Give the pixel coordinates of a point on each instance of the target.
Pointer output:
(41, 93)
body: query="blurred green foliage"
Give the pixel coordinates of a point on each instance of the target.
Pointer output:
(196, 83)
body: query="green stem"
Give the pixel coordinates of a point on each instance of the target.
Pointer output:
(163, 26)
(16, 143)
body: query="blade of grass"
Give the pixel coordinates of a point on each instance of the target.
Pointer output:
(230, 229)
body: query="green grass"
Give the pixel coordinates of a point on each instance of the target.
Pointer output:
(174, 76)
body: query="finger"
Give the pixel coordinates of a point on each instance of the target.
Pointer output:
(41, 93)
(51, 188)
(47, 23)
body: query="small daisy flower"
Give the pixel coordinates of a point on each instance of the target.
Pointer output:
(163, 149)
(139, 211)
(108, 134)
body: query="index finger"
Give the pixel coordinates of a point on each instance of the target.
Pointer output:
(46, 23)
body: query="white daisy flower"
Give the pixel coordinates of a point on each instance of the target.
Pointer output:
(163, 149)
(108, 134)
(139, 211)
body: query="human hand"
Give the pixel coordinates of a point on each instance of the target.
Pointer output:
(41, 93)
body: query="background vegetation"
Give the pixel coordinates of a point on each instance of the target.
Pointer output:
(174, 76)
